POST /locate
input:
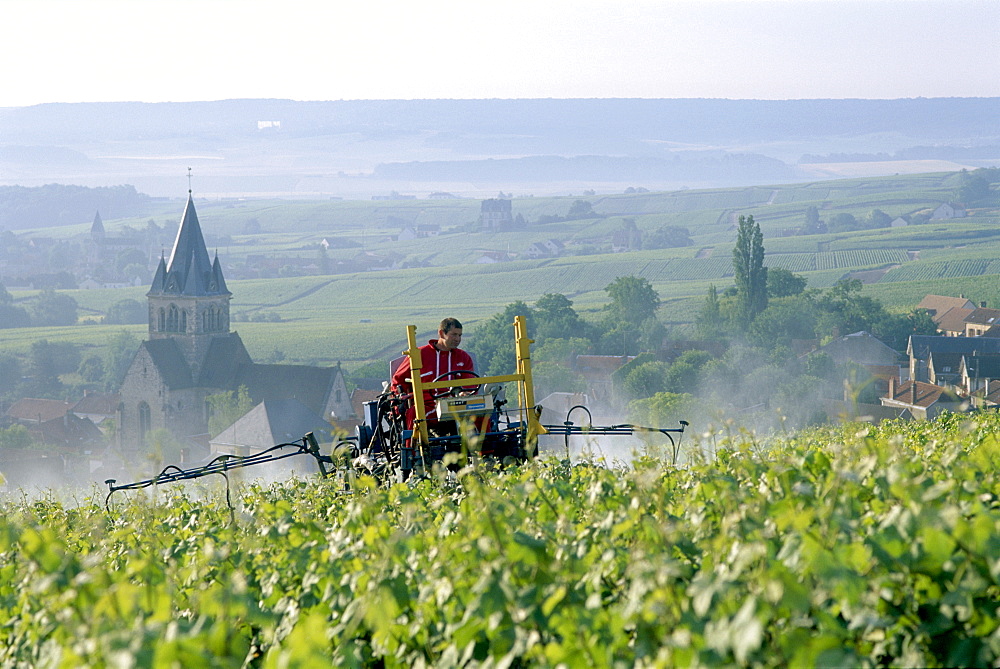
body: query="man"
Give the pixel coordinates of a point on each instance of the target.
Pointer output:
(439, 357)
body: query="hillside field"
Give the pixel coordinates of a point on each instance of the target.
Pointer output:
(356, 317)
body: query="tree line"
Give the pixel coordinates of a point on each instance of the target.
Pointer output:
(738, 356)
(56, 204)
(50, 307)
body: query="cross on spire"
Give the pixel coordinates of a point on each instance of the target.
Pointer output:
(189, 181)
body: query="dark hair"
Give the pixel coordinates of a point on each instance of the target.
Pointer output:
(449, 324)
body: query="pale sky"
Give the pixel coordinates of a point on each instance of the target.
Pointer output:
(184, 50)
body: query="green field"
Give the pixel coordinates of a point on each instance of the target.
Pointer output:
(858, 546)
(322, 315)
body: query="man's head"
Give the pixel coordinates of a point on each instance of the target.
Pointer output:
(449, 334)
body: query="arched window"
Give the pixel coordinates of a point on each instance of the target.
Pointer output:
(173, 319)
(145, 422)
(162, 321)
(184, 322)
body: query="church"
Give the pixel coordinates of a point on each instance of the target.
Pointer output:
(191, 353)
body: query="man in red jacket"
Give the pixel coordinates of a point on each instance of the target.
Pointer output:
(439, 357)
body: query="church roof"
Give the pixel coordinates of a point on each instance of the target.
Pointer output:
(189, 272)
(228, 366)
(168, 359)
(225, 358)
(273, 422)
(309, 385)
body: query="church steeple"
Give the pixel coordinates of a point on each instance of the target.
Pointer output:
(189, 271)
(97, 228)
(188, 298)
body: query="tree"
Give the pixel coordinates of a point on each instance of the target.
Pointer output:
(749, 271)
(878, 219)
(843, 308)
(117, 358)
(164, 447)
(580, 209)
(895, 329)
(662, 409)
(556, 318)
(13, 317)
(10, 372)
(785, 319)
(492, 343)
(128, 257)
(552, 369)
(15, 437)
(126, 312)
(710, 321)
(633, 300)
(669, 236)
(52, 308)
(646, 379)
(813, 225)
(782, 283)
(972, 188)
(46, 361)
(843, 222)
(684, 373)
(226, 408)
(629, 236)
(92, 369)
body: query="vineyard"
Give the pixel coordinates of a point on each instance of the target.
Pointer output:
(851, 547)
(941, 270)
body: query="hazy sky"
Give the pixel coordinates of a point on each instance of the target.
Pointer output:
(180, 50)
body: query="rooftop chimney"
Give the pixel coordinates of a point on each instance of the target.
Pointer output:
(913, 392)
(892, 387)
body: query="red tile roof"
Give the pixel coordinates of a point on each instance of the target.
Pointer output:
(32, 409)
(927, 394)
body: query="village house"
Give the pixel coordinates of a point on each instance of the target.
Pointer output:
(922, 401)
(953, 322)
(960, 317)
(862, 348)
(496, 215)
(943, 368)
(977, 372)
(544, 249)
(52, 422)
(981, 321)
(421, 231)
(99, 408)
(948, 211)
(596, 371)
(490, 257)
(921, 347)
(268, 424)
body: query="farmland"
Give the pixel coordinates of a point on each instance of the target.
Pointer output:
(321, 315)
(853, 546)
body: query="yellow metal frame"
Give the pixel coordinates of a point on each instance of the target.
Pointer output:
(522, 377)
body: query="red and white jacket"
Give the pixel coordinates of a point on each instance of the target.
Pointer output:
(434, 363)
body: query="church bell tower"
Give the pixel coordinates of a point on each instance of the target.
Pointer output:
(188, 300)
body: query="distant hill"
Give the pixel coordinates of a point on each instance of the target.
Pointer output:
(54, 204)
(475, 147)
